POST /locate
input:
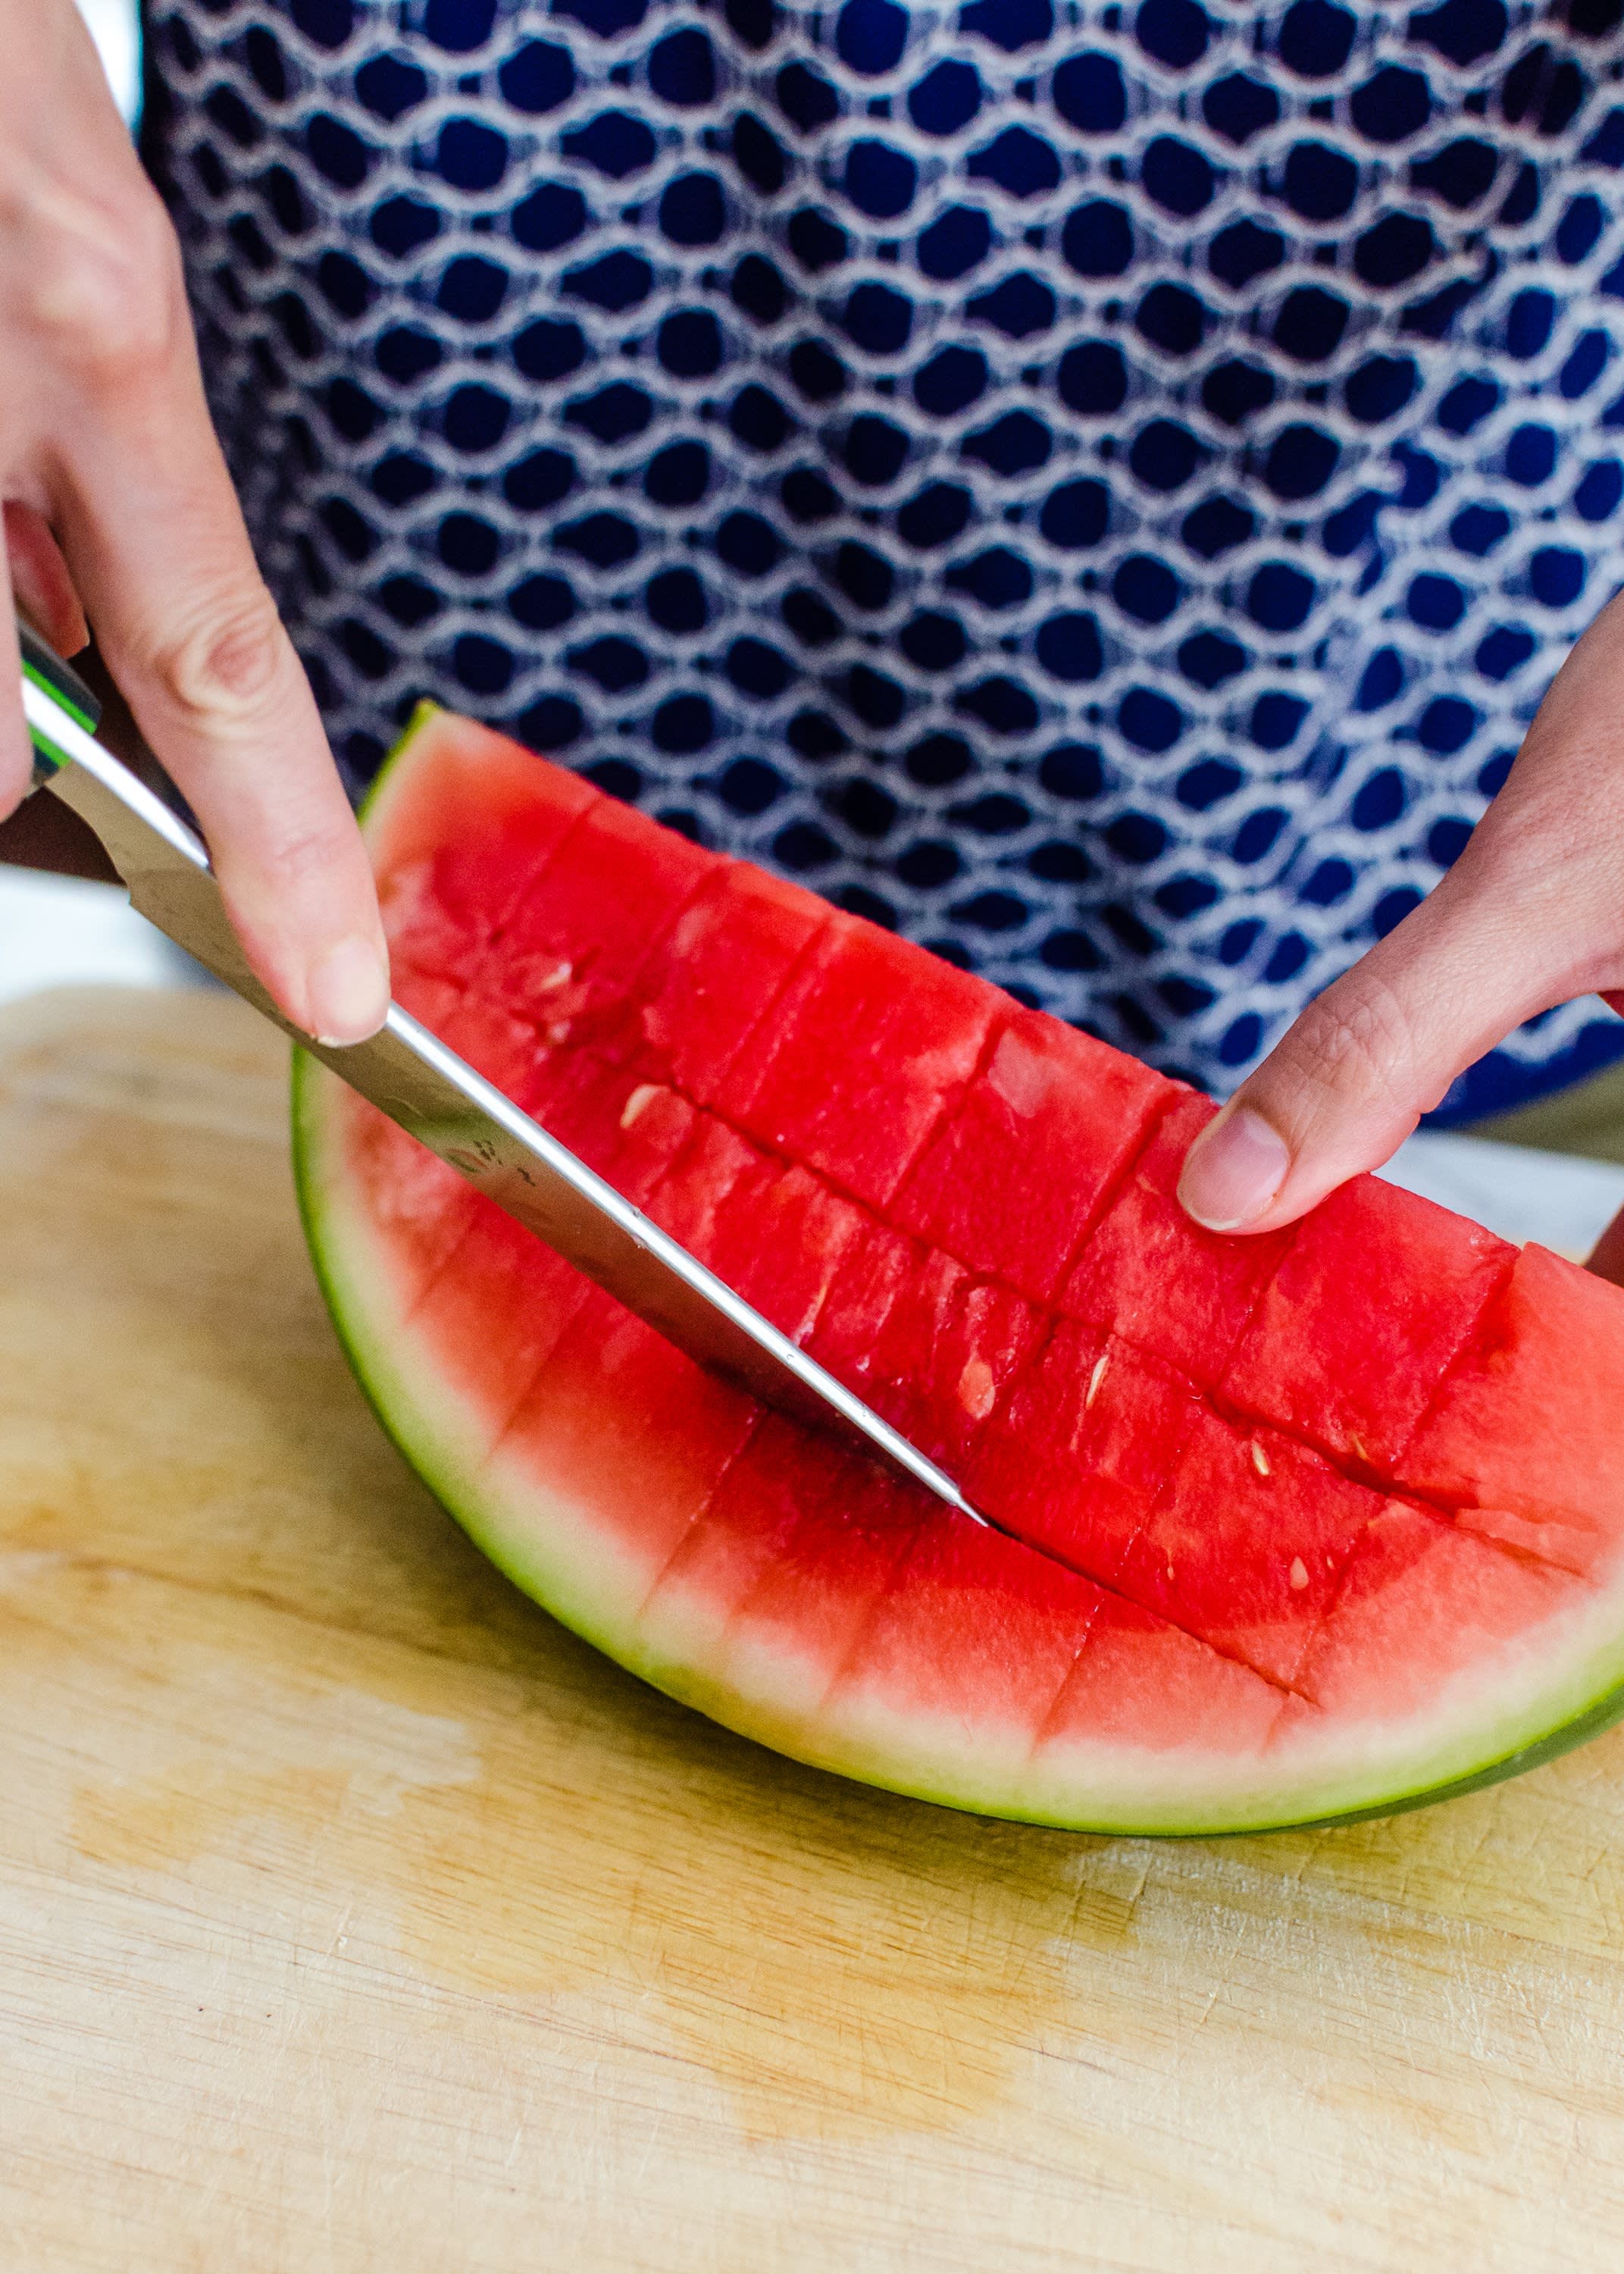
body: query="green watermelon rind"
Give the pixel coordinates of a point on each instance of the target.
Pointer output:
(1570, 1692)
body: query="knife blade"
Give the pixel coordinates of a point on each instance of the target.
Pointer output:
(412, 1076)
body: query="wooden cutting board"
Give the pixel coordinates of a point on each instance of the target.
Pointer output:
(354, 1916)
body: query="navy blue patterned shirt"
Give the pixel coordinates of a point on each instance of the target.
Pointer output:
(1101, 488)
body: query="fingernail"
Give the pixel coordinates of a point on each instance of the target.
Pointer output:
(349, 993)
(1233, 1171)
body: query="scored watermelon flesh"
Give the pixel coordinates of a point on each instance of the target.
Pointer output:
(446, 893)
(947, 1350)
(1421, 1599)
(728, 959)
(1090, 1437)
(1049, 1095)
(776, 1541)
(1145, 1684)
(1246, 1546)
(1244, 1475)
(1358, 1385)
(1145, 1244)
(567, 954)
(974, 1627)
(918, 1033)
(1551, 1359)
(586, 1107)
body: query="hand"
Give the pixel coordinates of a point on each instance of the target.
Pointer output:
(118, 506)
(1531, 915)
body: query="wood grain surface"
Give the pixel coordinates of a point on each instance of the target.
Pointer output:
(354, 1916)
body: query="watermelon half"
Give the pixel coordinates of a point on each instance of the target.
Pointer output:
(1312, 1526)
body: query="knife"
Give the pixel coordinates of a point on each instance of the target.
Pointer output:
(410, 1074)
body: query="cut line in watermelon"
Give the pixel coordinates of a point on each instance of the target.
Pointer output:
(1310, 1526)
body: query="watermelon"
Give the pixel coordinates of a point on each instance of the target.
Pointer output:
(1317, 1524)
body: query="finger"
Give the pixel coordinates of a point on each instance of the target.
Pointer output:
(215, 686)
(155, 543)
(41, 581)
(16, 750)
(1350, 1080)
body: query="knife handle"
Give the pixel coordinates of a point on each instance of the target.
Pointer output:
(164, 864)
(47, 669)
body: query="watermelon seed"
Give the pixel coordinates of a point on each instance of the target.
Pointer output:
(1259, 1458)
(559, 977)
(559, 1033)
(1300, 1573)
(638, 1102)
(1096, 1378)
(976, 1393)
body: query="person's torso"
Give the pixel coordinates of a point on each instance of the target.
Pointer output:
(1100, 488)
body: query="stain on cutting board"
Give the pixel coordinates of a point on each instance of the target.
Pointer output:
(841, 1962)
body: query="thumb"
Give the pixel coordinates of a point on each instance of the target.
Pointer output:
(1350, 1080)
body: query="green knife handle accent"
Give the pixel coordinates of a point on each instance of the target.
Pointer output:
(47, 670)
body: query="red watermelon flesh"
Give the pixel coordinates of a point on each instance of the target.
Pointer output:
(1421, 1600)
(870, 1277)
(810, 1553)
(446, 897)
(1090, 1436)
(1142, 1685)
(567, 957)
(1247, 1544)
(721, 969)
(1550, 1356)
(971, 1627)
(1382, 1342)
(915, 1025)
(1146, 1245)
(662, 1476)
(783, 1241)
(947, 1349)
(1305, 1526)
(1012, 1181)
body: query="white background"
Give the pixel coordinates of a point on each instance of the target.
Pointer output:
(114, 25)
